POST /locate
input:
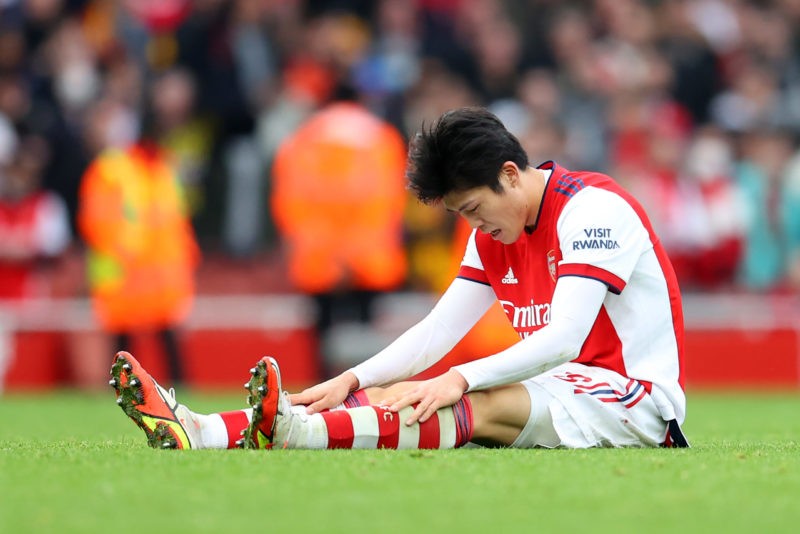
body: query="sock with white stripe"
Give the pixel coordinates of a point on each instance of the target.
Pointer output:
(222, 430)
(375, 427)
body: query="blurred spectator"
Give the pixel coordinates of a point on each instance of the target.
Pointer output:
(690, 52)
(544, 131)
(392, 64)
(109, 124)
(141, 248)
(185, 134)
(772, 217)
(34, 225)
(709, 170)
(697, 207)
(338, 199)
(751, 100)
(496, 46)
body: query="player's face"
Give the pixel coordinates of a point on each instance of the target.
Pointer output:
(502, 215)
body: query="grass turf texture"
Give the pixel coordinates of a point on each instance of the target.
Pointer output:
(74, 463)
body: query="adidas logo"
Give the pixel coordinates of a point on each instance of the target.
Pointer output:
(509, 278)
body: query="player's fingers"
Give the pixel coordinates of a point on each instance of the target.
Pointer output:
(416, 414)
(406, 400)
(297, 398)
(300, 398)
(429, 411)
(389, 401)
(318, 406)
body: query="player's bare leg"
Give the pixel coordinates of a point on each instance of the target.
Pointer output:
(499, 414)
(376, 395)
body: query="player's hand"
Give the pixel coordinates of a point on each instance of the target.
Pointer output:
(444, 390)
(326, 395)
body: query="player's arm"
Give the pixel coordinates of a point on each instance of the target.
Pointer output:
(576, 303)
(424, 344)
(574, 307)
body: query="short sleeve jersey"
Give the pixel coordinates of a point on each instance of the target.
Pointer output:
(590, 226)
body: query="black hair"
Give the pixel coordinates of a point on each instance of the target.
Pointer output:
(463, 149)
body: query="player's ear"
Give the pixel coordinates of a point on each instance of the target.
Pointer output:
(510, 173)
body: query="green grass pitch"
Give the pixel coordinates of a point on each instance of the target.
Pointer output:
(72, 462)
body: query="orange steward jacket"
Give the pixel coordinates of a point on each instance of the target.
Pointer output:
(338, 200)
(142, 253)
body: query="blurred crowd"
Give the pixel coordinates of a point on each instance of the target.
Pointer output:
(694, 105)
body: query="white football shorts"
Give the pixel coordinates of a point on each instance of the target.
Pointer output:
(579, 406)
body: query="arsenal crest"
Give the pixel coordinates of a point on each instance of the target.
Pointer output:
(551, 264)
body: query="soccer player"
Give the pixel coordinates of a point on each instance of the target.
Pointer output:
(582, 277)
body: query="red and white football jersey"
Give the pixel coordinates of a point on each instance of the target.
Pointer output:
(589, 226)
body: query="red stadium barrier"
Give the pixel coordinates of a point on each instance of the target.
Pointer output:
(743, 358)
(57, 343)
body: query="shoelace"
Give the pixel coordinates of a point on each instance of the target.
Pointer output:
(290, 415)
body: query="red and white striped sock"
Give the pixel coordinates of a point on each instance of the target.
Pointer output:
(222, 430)
(375, 427)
